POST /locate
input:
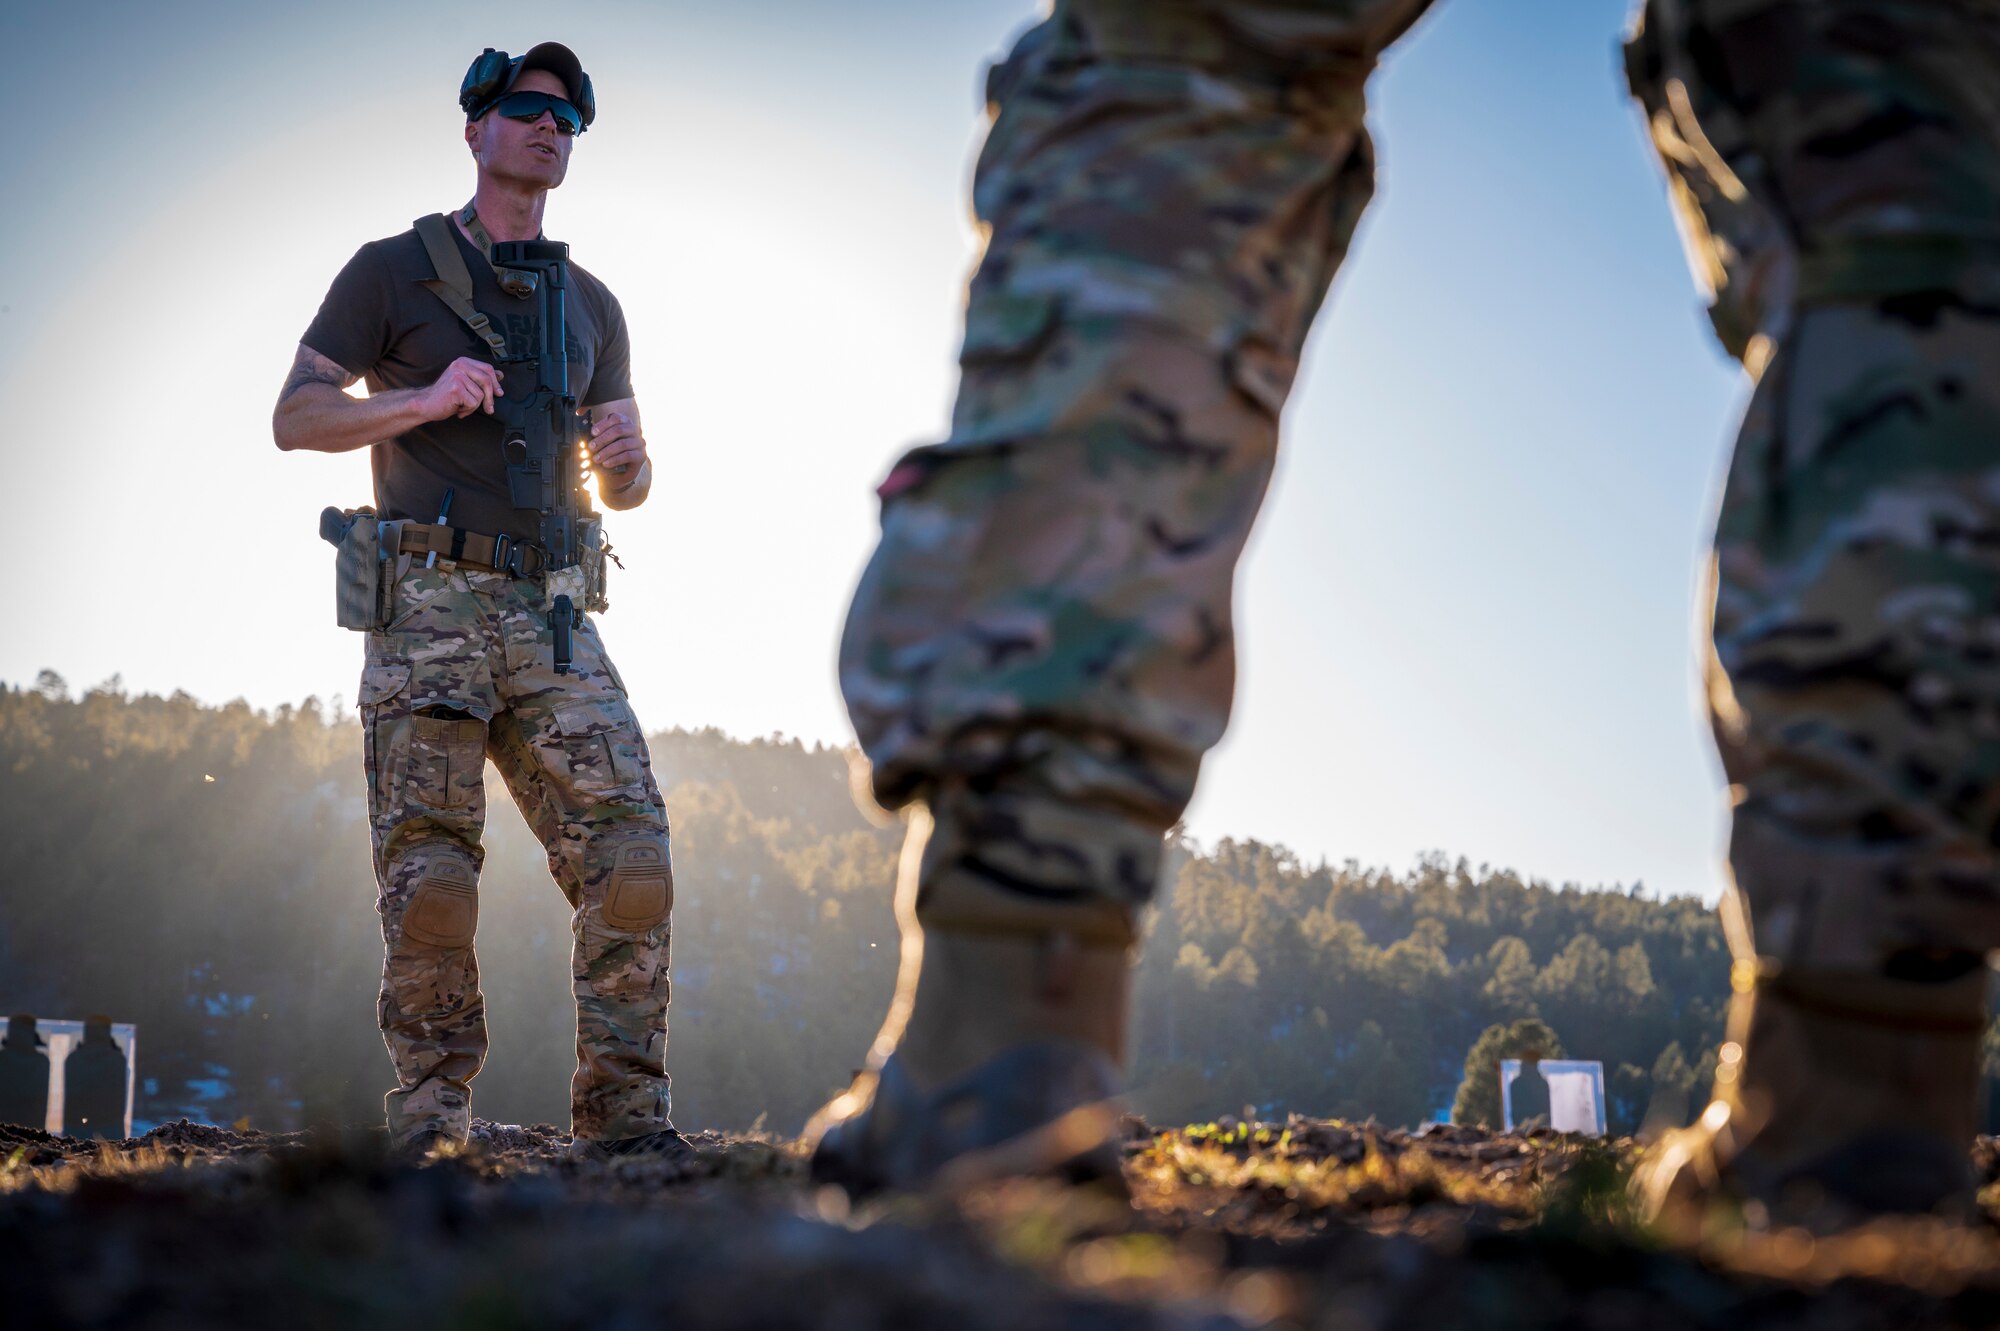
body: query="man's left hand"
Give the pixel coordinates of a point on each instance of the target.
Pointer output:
(615, 442)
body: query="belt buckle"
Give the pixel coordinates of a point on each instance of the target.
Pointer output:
(510, 556)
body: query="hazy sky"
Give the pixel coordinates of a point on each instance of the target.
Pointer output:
(1467, 615)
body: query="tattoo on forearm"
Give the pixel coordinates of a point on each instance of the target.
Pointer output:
(312, 368)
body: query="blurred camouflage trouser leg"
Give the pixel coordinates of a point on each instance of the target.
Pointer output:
(464, 672)
(1837, 166)
(1041, 649)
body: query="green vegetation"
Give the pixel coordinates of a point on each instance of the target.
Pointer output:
(1356, 993)
(203, 871)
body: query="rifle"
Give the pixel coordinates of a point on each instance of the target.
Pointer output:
(542, 433)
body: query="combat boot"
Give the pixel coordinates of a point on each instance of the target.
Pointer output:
(1839, 1096)
(1003, 1050)
(666, 1144)
(429, 1144)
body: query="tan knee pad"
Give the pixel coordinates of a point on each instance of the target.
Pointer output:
(444, 910)
(641, 892)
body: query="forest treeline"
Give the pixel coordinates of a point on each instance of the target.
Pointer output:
(203, 871)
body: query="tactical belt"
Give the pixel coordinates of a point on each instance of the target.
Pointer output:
(502, 554)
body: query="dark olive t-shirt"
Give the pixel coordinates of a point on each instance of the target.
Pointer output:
(378, 322)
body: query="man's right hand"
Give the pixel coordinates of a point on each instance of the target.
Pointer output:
(314, 413)
(466, 386)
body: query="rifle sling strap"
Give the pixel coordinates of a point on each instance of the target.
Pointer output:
(453, 283)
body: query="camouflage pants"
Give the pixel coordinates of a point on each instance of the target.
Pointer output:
(1838, 168)
(463, 673)
(1042, 648)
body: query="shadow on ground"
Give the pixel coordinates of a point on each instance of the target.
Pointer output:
(1308, 1224)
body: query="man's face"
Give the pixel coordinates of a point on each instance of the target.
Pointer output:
(528, 154)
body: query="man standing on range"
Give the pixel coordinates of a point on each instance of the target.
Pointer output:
(460, 661)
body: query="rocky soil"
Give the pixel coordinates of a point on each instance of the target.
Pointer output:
(1309, 1224)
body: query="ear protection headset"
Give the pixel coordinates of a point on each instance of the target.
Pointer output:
(493, 72)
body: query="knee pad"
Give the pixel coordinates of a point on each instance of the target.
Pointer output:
(443, 912)
(640, 894)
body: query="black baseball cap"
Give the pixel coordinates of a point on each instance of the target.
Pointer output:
(488, 79)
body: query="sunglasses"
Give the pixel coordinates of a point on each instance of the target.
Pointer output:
(529, 106)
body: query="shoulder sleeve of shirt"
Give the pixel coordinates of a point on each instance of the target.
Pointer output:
(611, 378)
(355, 327)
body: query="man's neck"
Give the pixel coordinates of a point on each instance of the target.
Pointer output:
(508, 213)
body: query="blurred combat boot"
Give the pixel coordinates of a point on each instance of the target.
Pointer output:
(1003, 1048)
(666, 1144)
(1839, 1096)
(432, 1143)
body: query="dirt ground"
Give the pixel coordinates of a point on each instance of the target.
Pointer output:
(1309, 1224)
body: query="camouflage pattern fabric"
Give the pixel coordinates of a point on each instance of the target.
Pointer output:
(1837, 166)
(464, 672)
(1041, 648)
